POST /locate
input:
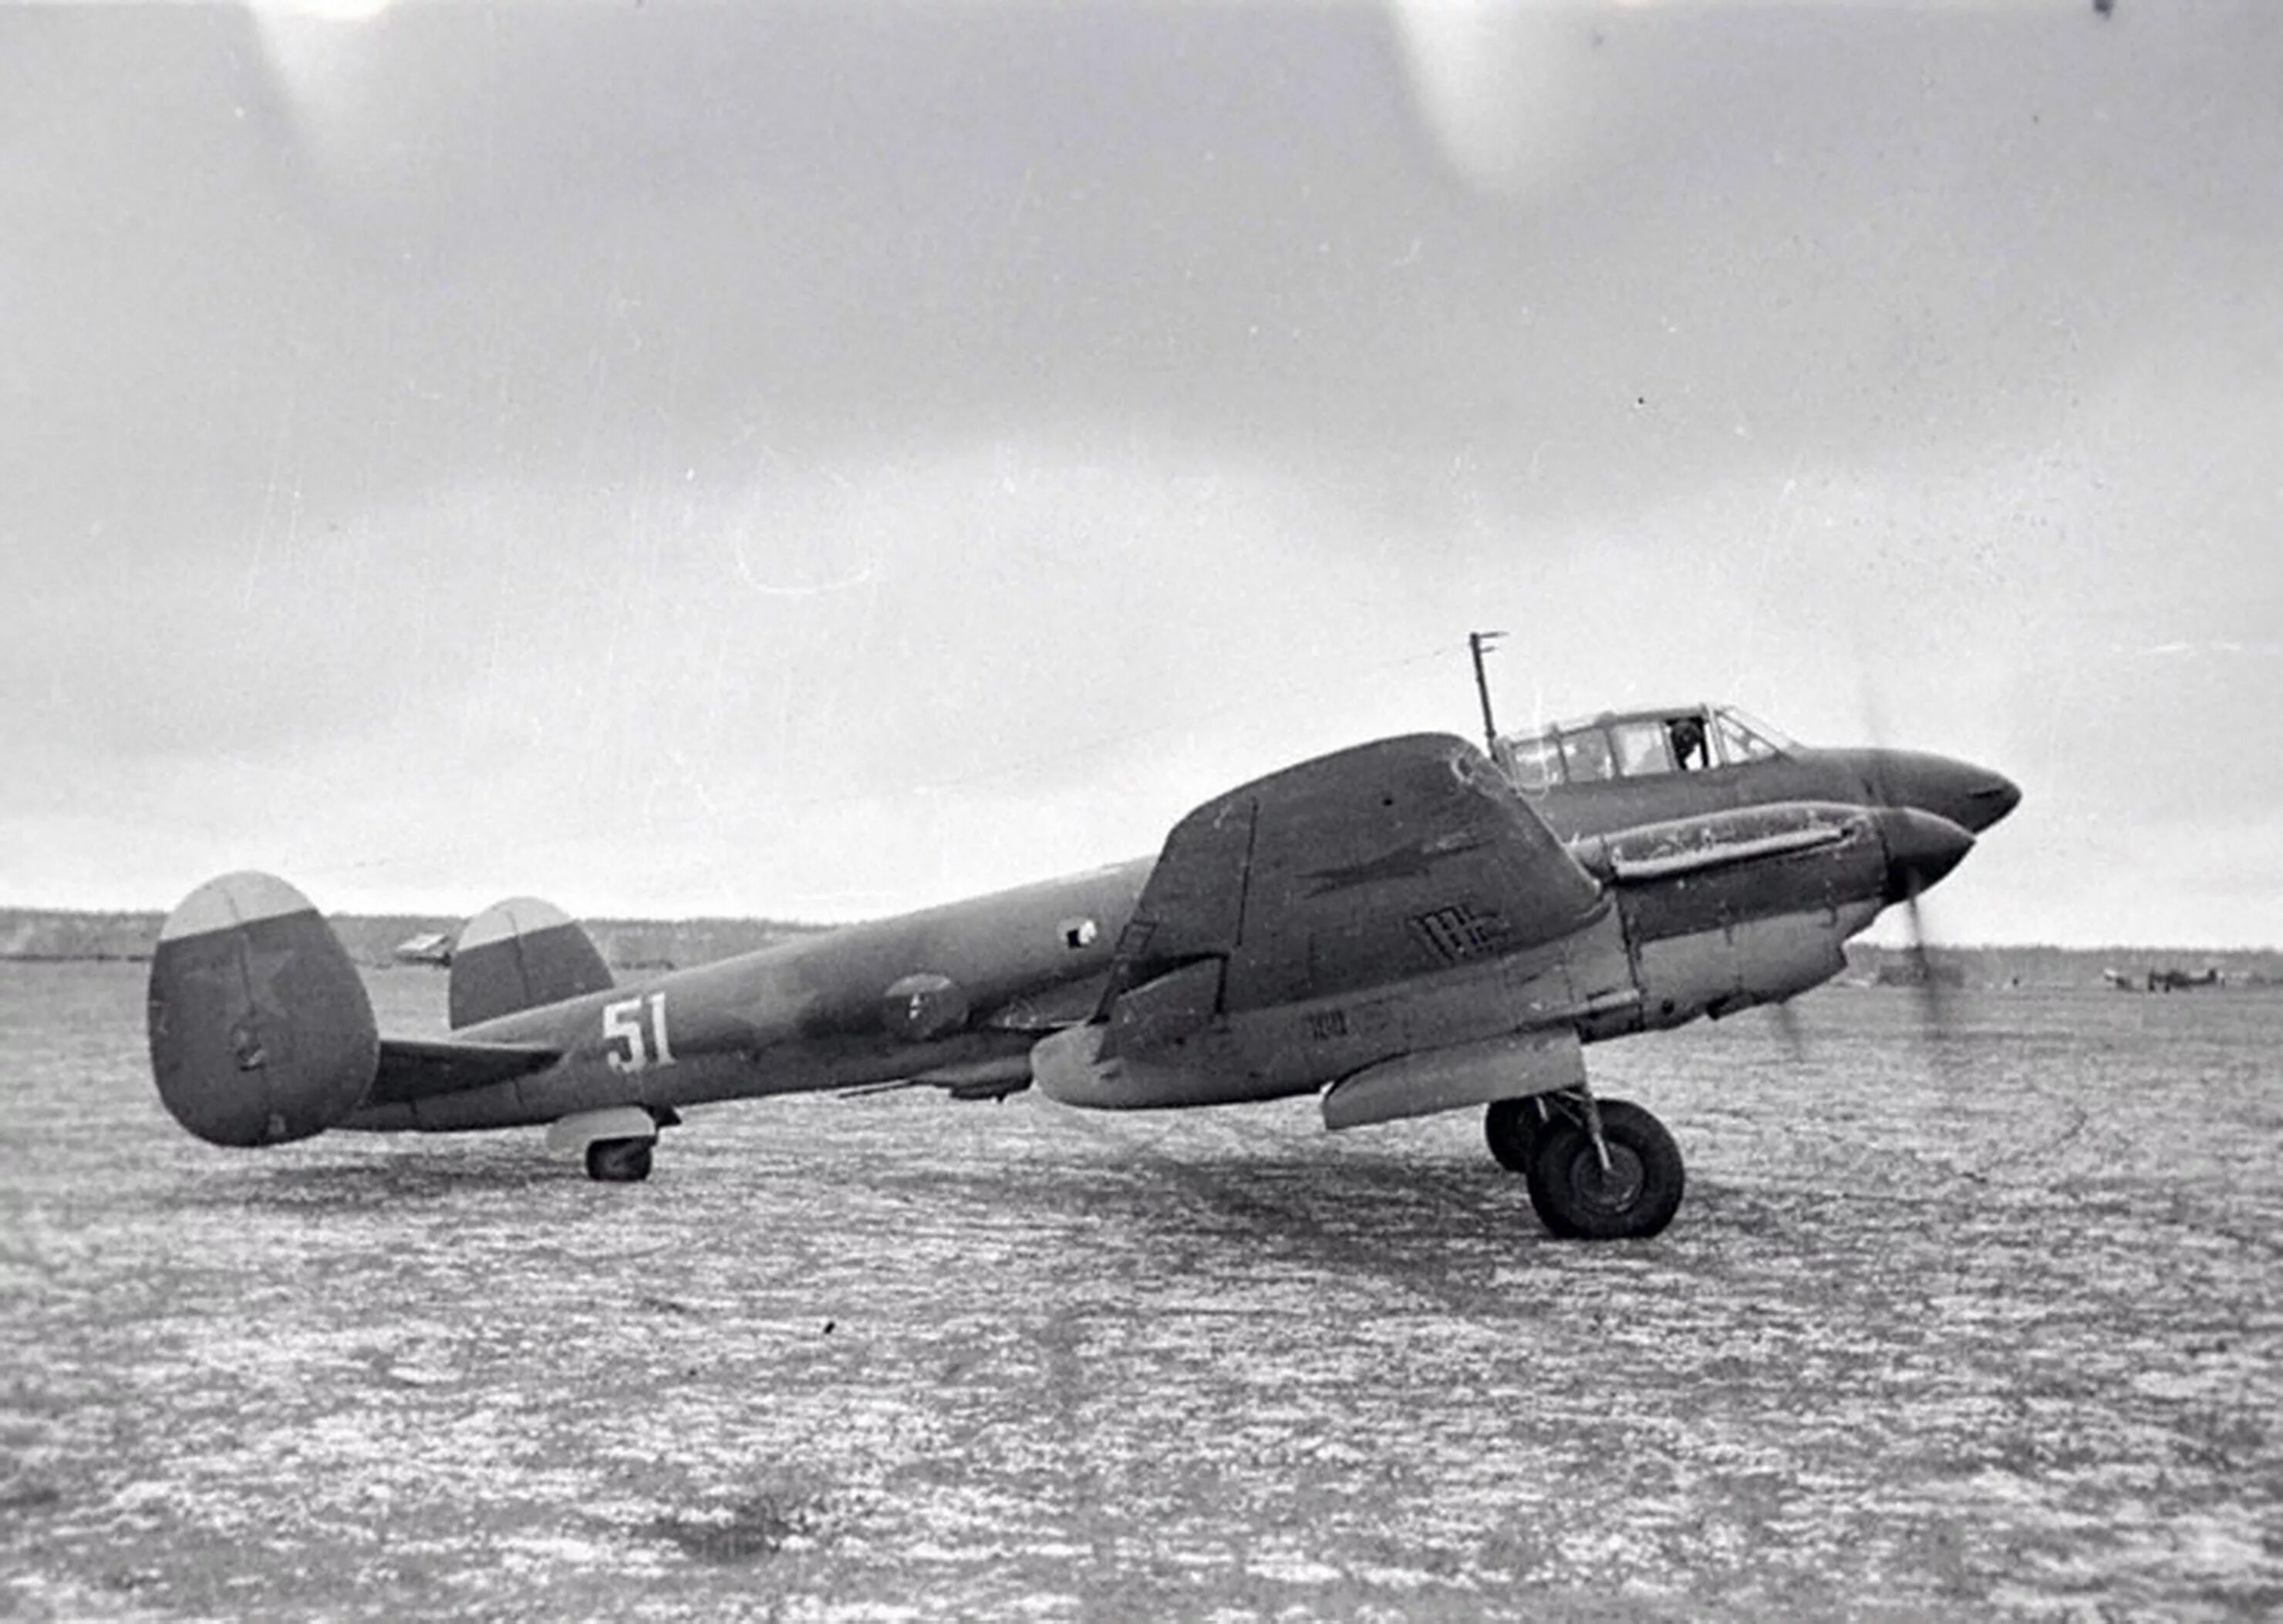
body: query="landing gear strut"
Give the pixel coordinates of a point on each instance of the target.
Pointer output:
(1599, 1169)
(1512, 1127)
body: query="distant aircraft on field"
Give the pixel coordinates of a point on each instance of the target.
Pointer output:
(2164, 980)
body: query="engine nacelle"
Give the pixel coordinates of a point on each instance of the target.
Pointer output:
(1070, 1068)
(1752, 905)
(260, 1028)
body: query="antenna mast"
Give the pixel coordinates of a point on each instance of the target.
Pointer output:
(1477, 641)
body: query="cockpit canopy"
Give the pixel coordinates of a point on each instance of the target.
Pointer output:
(1639, 744)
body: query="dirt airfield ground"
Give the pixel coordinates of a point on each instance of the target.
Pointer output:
(1987, 1327)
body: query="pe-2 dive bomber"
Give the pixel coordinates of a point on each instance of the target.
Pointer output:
(1407, 927)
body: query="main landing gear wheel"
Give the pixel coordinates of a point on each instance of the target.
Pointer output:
(1632, 1199)
(1512, 1127)
(618, 1161)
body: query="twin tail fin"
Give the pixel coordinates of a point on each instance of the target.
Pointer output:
(520, 954)
(261, 1030)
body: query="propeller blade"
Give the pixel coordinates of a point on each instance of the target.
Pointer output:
(1787, 1032)
(1936, 1014)
(1936, 1011)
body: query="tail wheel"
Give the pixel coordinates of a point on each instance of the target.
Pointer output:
(1512, 1127)
(1632, 1199)
(618, 1161)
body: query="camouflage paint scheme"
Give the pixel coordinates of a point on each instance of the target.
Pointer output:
(815, 1013)
(1396, 924)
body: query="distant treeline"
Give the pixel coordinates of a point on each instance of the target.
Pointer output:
(627, 944)
(645, 943)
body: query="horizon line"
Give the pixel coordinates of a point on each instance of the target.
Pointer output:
(2115, 946)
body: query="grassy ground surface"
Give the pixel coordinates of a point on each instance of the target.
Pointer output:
(1987, 1326)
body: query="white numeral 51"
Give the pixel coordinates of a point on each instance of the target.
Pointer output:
(631, 1048)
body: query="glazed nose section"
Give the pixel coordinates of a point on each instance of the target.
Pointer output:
(1921, 848)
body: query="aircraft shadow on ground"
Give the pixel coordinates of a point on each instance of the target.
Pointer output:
(382, 1180)
(1392, 1217)
(1395, 1215)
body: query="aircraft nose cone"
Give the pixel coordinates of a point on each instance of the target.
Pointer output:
(1971, 797)
(1921, 848)
(1991, 800)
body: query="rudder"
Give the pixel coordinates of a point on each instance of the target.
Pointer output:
(520, 954)
(260, 1030)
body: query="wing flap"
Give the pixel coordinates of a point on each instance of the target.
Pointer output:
(422, 1067)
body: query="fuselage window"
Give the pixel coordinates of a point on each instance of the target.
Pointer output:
(1738, 742)
(1643, 748)
(1536, 763)
(1586, 754)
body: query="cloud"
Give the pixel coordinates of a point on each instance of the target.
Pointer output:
(458, 241)
(670, 445)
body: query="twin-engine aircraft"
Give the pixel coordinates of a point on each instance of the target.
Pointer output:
(1406, 926)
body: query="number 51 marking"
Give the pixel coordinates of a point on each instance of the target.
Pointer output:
(631, 1048)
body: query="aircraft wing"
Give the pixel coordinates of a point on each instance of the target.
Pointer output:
(418, 1068)
(993, 1078)
(1392, 860)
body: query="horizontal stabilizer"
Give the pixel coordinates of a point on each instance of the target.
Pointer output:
(520, 954)
(421, 1068)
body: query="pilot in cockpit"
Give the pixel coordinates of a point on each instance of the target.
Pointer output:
(1687, 735)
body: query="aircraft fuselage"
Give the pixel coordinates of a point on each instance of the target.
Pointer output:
(996, 974)
(815, 1012)
(1402, 927)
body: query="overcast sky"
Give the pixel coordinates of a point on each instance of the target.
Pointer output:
(820, 461)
